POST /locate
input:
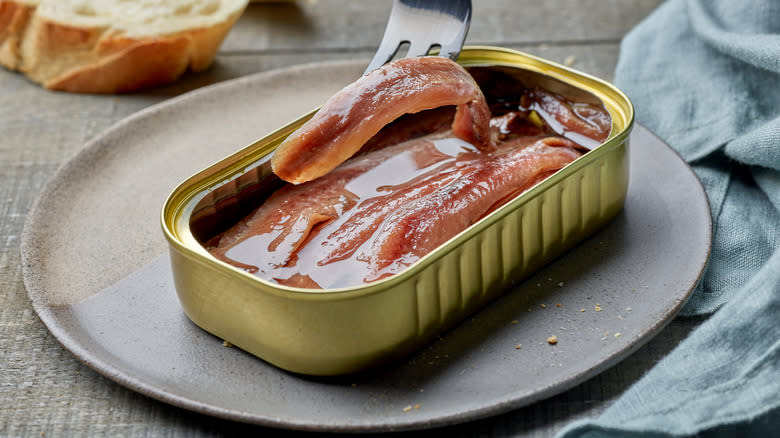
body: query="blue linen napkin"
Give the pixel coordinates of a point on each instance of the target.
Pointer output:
(704, 75)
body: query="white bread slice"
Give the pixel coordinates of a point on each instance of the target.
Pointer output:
(112, 46)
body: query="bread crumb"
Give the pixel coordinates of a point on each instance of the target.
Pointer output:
(543, 306)
(408, 408)
(518, 346)
(558, 305)
(417, 406)
(597, 308)
(552, 340)
(617, 335)
(569, 61)
(582, 310)
(560, 284)
(514, 321)
(227, 344)
(628, 309)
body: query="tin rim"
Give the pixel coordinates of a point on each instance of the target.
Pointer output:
(178, 205)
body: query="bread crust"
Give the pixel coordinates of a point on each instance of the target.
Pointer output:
(103, 60)
(13, 20)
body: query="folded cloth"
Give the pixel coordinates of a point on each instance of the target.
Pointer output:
(705, 76)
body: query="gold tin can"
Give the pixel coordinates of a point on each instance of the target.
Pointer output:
(340, 331)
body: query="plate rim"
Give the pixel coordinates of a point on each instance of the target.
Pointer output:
(47, 314)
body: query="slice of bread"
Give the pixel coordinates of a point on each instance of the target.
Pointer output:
(112, 46)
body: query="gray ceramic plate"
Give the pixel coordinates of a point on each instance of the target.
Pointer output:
(96, 270)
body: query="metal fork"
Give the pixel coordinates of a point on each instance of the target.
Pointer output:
(425, 25)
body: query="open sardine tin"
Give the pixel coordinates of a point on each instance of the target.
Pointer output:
(340, 331)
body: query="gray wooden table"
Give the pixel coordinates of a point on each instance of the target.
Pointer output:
(46, 391)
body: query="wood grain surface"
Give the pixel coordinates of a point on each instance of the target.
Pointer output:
(44, 391)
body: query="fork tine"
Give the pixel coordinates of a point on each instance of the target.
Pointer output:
(384, 53)
(419, 49)
(452, 49)
(423, 24)
(390, 41)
